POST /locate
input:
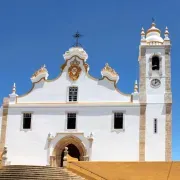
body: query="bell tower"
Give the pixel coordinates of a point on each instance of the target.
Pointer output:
(155, 95)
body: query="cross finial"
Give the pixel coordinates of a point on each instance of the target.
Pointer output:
(77, 36)
(153, 20)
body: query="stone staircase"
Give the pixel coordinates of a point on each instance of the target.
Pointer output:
(19, 172)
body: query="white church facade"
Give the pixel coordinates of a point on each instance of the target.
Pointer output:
(92, 117)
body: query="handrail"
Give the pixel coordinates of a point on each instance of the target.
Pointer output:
(88, 170)
(169, 170)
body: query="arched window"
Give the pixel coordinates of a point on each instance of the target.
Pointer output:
(155, 63)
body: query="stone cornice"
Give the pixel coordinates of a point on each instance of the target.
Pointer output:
(57, 105)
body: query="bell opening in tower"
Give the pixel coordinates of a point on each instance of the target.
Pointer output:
(155, 63)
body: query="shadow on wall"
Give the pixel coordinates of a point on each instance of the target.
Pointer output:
(39, 85)
(106, 83)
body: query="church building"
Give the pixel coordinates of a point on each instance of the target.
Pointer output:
(92, 117)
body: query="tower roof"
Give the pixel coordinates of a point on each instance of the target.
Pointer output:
(153, 34)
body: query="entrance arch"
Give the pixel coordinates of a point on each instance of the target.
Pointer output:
(73, 151)
(75, 146)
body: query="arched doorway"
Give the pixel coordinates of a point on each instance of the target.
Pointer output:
(72, 151)
(76, 149)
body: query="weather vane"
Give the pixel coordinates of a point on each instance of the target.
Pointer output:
(77, 36)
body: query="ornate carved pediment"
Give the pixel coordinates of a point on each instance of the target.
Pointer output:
(39, 74)
(74, 70)
(110, 73)
(76, 51)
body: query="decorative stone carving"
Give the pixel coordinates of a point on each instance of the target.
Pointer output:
(90, 138)
(86, 66)
(153, 35)
(135, 94)
(76, 51)
(39, 74)
(50, 138)
(166, 36)
(110, 73)
(136, 87)
(143, 37)
(13, 95)
(65, 158)
(4, 157)
(74, 70)
(64, 142)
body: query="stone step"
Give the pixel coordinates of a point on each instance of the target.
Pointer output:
(19, 172)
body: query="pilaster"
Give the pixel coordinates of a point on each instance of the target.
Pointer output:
(4, 123)
(142, 93)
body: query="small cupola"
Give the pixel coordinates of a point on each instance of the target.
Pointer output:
(153, 35)
(75, 51)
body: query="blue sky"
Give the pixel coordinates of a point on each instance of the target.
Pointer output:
(33, 33)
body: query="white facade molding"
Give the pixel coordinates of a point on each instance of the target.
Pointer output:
(76, 51)
(42, 73)
(75, 104)
(53, 141)
(110, 73)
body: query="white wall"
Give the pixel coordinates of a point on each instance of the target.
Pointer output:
(155, 142)
(156, 92)
(31, 147)
(89, 90)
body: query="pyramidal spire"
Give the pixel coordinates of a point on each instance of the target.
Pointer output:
(166, 34)
(136, 87)
(13, 95)
(142, 34)
(14, 89)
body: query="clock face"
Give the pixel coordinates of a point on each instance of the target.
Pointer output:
(155, 83)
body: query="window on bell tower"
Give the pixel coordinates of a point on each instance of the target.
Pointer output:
(155, 126)
(155, 63)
